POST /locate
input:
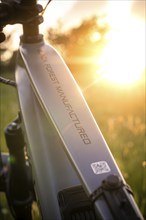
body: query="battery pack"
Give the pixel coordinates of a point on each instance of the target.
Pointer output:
(75, 205)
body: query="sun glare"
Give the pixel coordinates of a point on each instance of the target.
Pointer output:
(95, 36)
(123, 58)
(55, 11)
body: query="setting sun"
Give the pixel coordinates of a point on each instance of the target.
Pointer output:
(123, 58)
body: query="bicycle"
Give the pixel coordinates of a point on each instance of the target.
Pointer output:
(69, 169)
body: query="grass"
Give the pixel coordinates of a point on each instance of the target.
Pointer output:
(8, 108)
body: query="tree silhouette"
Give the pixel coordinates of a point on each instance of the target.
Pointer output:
(78, 40)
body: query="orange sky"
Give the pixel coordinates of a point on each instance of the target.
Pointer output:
(71, 12)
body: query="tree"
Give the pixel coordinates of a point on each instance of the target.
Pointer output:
(82, 40)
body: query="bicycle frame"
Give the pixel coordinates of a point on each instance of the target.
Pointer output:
(64, 142)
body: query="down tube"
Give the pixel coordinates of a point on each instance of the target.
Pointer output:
(51, 168)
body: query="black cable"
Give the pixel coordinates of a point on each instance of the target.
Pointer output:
(46, 7)
(7, 82)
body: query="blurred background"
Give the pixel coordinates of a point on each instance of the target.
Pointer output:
(103, 44)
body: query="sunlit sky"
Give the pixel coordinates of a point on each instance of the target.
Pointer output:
(123, 58)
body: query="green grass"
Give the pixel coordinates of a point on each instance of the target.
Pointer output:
(4, 212)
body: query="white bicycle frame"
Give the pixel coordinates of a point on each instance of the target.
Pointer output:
(64, 141)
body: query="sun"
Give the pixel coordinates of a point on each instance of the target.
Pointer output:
(55, 11)
(123, 58)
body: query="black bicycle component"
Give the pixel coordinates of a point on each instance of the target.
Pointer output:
(3, 171)
(18, 187)
(21, 11)
(2, 37)
(25, 12)
(115, 196)
(75, 205)
(30, 29)
(6, 12)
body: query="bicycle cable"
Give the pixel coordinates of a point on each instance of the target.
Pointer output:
(7, 81)
(46, 7)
